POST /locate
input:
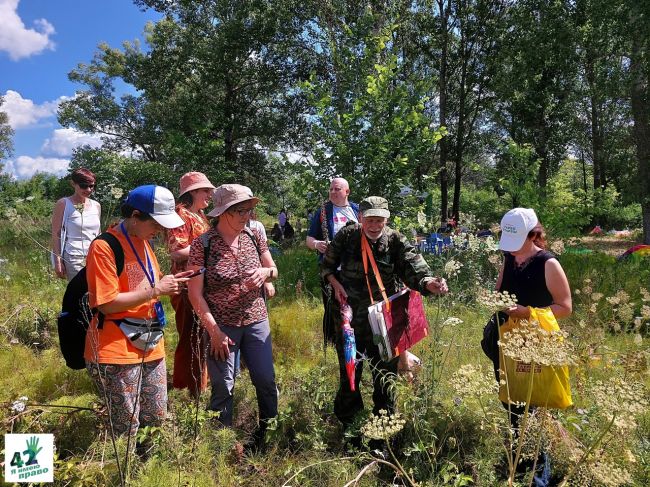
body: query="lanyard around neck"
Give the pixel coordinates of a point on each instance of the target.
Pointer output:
(151, 277)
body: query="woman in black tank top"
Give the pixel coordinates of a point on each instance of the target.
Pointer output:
(537, 279)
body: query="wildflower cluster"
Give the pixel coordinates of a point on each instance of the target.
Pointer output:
(645, 312)
(495, 260)
(19, 405)
(383, 426)
(622, 309)
(530, 343)
(472, 381)
(116, 192)
(601, 473)
(452, 321)
(557, 247)
(490, 244)
(645, 295)
(623, 398)
(452, 268)
(11, 214)
(496, 300)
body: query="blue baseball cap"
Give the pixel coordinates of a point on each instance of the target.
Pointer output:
(157, 202)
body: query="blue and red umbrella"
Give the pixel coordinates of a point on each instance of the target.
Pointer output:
(349, 343)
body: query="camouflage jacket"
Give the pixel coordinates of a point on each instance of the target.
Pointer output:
(396, 260)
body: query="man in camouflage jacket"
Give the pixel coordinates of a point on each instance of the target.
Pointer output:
(397, 263)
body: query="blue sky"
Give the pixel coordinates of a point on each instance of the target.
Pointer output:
(40, 42)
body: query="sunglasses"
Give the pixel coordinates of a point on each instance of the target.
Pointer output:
(86, 186)
(243, 211)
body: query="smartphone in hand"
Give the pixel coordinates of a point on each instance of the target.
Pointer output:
(197, 272)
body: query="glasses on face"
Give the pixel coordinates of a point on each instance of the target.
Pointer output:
(242, 212)
(86, 186)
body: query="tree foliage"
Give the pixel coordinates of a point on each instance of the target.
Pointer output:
(534, 98)
(6, 134)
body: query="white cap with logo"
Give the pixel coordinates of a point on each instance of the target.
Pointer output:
(515, 226)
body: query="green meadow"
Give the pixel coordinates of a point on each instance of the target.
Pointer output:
(453, 430)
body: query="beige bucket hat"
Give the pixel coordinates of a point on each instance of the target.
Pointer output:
(228, 195)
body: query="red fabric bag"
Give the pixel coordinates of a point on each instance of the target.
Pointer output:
(398, 322)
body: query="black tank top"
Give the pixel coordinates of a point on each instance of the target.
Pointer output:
(528, 281)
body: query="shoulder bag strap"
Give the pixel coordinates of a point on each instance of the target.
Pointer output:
(366, 254)
(118, 254)
(323, 221)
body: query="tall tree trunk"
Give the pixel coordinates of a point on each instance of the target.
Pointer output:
(460, 129)
(640, 100)
(597, 138)
(444, 39)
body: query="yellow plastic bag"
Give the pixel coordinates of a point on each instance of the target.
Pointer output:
(550, 386)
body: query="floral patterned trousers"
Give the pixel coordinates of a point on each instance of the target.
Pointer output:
(134, 394)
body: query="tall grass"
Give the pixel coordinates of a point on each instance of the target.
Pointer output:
(448, 439)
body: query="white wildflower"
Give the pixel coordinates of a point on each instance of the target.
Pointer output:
(452, 268)
(470, 380)
(530, 343)
(496, 300)
(19, 405)
(383, 426)
(451, 321)
(596, 296)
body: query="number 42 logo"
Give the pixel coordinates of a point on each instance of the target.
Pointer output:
(31, 453)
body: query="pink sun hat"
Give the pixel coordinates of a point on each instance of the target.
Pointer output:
(194, 180)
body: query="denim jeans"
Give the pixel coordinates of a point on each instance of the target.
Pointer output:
(254, 343)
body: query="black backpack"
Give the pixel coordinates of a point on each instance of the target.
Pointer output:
(76, 313)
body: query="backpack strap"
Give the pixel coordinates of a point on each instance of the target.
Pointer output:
(118, 253)
(250, 233)
(116, 247)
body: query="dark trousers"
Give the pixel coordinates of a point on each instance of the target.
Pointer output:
(254, 342)
(331, 313)
(348, 403)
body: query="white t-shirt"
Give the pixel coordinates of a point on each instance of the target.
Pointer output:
(341, 215)
(259, 227)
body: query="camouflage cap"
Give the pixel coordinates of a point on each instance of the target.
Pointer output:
(374, 206)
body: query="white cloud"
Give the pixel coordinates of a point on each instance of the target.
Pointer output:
(64, 140)
(24, 167)
(19, 41)
(23, 112)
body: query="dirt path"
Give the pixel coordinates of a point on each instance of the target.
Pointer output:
(609, 244)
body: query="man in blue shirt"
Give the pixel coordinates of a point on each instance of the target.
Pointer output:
(333, 215)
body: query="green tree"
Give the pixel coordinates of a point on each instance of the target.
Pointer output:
(536, 79)
(6, 135)
(367, 110)
(214, 88)
(639, 37)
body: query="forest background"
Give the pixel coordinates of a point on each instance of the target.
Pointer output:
(478, 105)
